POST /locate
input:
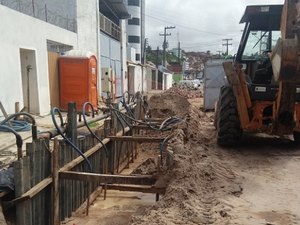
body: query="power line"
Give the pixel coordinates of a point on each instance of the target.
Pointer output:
(180, 25)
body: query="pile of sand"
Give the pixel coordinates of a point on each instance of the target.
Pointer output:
(185, 92)
(166, 105)
(198, 178)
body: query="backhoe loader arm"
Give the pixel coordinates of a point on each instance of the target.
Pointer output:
(286, 67)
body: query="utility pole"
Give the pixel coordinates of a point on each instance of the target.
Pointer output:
(165, 34)
(157, 56)
(227, 43)
(179, 52)
(219, 52)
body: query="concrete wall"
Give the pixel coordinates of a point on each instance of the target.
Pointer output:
(168, 80)
(19, 31)
(87, 25)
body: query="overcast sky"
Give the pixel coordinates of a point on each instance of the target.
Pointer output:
(200, 24)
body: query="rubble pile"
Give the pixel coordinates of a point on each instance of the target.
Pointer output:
(185, 92)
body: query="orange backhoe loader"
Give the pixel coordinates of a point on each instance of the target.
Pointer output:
(263, 91)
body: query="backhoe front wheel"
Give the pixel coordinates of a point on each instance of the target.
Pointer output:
(229, 131)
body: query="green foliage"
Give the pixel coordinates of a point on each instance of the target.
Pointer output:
(177, 77)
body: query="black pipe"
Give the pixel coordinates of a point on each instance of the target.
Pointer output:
(56, 110)
(19, 141)
(18, 114)
(88, 127)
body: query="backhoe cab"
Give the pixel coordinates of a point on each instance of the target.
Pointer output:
(262, 95)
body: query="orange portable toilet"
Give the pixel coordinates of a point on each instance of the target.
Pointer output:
(78, 79)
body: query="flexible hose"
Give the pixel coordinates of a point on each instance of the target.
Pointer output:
(17, 126)
(18, 114)
(88, 127)
(56, 110)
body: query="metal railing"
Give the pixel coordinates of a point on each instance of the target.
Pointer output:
(41, 12)
(110, 28)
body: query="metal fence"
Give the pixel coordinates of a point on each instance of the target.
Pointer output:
(109, 27)
(41, 12)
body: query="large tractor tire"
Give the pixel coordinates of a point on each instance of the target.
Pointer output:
(229, 130)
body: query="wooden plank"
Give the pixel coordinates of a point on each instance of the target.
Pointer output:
(53, 78)
(33, 191)
(137, 138)
(105, 178)
(3, 110)
(55, 186)
(137, 188)
(144, 127)
(22, 184)
(72, 123)
(2, 217)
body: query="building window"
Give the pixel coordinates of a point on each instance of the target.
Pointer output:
(134, 21)
(134, 39)
(134, 2)
(137, 57)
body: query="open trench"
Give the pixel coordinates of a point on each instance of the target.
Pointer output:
(254, 183)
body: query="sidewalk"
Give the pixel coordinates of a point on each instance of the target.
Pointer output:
(8, 148)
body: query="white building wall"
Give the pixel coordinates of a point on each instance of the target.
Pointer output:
(169, 80)
(19, 31)
(87, 25)
(124, 55)
(137, 79)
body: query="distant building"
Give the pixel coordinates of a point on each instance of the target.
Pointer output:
(137, 72)
(136, 30)
(177, 52)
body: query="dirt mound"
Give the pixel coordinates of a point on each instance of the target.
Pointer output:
(166, 105)
(185, 92)
(198, 179)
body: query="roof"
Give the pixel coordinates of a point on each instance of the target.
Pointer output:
(116, 7)
(78, 54)
(164, 69)
(263, 17)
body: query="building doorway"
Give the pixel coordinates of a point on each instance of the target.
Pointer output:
(29, 81)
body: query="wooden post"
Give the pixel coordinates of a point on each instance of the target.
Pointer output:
(22, 184)
(55, 186)
(72, 123)
(17, 109)
(138, 116)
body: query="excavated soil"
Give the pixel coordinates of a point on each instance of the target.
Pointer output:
(255, 183)
(166, 105)
(185, 92)
(198, 180)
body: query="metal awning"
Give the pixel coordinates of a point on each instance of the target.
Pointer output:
(118, 7)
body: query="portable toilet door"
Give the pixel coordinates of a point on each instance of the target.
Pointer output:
(78, 79)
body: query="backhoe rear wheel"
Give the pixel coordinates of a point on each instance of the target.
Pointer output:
(229, 131)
